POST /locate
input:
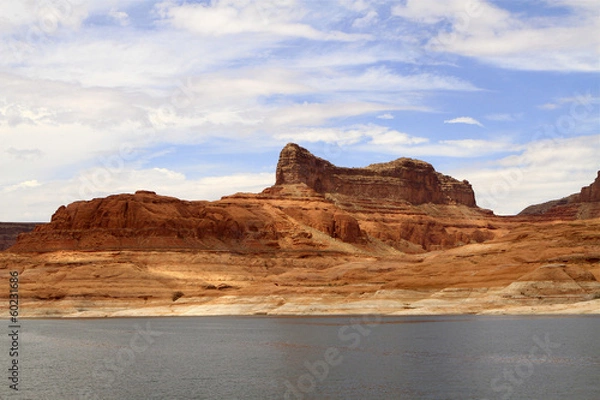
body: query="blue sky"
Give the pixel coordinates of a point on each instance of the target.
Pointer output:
(195, 99)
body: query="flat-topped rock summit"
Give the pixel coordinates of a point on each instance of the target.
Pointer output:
(404, 179)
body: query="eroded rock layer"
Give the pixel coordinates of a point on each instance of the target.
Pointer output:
(403, 179)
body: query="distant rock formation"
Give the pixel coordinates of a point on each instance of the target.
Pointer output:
(404, 179)
(401, 205)
(582, 205)
(9, 231)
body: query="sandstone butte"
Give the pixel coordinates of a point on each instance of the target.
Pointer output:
(389, 238)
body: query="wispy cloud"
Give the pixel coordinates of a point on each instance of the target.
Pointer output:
(120, 16)
(504, 117)
(537, 172)
(584, 100)
(82, 82)
(463, 120)
(344, 136)
(231, 18)
(485, 31)
(22, 185)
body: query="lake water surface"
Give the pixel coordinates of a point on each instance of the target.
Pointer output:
(441, 357)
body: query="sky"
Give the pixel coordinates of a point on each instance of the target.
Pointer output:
(195, 99)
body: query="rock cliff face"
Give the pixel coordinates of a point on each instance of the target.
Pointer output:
(145, 220)
(591, 193)
(404, 179)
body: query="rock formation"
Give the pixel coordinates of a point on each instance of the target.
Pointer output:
(401, 205)
(582, 205)
(591, 193)
(404, 179)
(322, 240)
(145, 220)
(9, 231)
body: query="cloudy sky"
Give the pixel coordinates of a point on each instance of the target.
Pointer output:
(195, 99)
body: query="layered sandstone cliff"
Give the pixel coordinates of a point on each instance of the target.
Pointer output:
(145, 220)
(404, 179)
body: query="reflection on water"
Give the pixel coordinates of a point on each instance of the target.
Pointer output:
(462, 357)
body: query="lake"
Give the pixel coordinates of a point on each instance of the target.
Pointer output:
(431, 357)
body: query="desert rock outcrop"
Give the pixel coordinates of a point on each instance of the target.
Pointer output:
(314, 243)
(404, 179)
(401, 205)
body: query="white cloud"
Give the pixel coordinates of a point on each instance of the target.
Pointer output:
(385, 116)
(395, 138)
(541, 171)
(477, 145)
(504, 117)
(233, 18)
(381, 139)
(494, 35)
(24, 154)
(463, 120)
(583, 100)
(369, 19)
(374, 135)
(32, 201)
(425, 147)
(23, 185)
(317, 113)
(356, 5)
(120, 16)
(548, 106)
(382, 79)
